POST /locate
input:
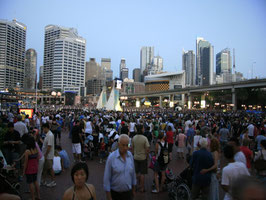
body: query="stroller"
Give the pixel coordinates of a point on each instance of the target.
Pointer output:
(180, 187)
(88, 148)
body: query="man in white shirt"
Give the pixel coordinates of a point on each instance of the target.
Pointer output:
(48, 152)
(231, 172)
(20, 126)
(239, 155)
(251, 131)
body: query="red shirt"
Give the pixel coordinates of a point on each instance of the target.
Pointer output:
(170, 137)
(248, 153)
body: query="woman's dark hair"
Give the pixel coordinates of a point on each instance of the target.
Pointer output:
(30, 143)
(229, 152)
(77, 167)
(169, 128)
(46, 125)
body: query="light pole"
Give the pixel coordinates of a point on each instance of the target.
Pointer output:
(252, 70)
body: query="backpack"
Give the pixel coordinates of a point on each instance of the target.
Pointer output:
(260, 163)
(163, 158)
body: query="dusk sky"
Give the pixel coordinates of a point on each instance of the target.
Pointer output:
(119, 28)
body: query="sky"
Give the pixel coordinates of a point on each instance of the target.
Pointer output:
(119, 28)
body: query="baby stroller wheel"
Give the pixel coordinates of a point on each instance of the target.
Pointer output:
(183, 192)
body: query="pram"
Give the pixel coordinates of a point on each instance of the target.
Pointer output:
(88, 148)
(180, 187)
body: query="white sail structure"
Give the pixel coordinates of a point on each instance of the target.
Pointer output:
(113, 102)
(102, 99)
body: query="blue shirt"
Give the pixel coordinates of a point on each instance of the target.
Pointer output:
(63, 154)
(258, 139)
(190, 135)
(201, 159)
(119, 174)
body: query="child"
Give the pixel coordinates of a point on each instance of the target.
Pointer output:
(57, 163)
(102, 150)
(64, 156)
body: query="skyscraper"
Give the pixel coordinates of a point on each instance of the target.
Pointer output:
(93, 70)
(204, 61)
(188, 64)
(123, 69)
(12, 53)
(156, 65)
(40, 77)
(223, 62)
(30, 69)
(136, 75)
(106, 65)
(146, 56)
(64, 59)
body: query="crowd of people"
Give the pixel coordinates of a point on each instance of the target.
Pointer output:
(127, 143)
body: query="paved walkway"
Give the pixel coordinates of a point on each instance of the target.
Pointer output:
(96, 171)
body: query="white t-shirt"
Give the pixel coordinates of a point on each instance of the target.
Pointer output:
(132, 127)
(230, 173)
(48, 141)
(187, 125)
(240, 157)
(57, 164)
(196, 140)
(88, 127)
(250, 130)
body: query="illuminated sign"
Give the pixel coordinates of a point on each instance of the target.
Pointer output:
(27, 111)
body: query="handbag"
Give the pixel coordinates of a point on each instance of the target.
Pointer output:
(260, 163)
(176, 142)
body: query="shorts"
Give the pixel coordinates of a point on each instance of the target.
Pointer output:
(159, 168)
(48, 164)
(31, 178)
(141, 166)
(170, 147)
(76, 148)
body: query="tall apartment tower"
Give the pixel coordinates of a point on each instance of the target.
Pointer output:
(12, 53)
(123, 69)
(136, 75)
(146, 56)
(223, 62)
(64, 59)
(30, 69)
(40, 78)
(188, 65)
(204, 61)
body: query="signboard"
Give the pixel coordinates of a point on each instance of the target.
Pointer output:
(27, 111)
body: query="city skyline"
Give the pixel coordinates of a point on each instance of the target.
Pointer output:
(109, 35)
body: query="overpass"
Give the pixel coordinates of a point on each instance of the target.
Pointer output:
(253, 83)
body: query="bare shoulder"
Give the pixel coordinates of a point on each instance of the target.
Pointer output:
(68, 194)
(91, 187)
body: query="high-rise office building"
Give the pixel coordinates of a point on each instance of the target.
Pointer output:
(12, 53)
(157, 65)
(93, 70)
(188, 65)
(106, 65)
(30, 69)
(64, 59)
(204, 61)
(146, 56)
(40, 78)
(223, 62)
(123, 69)
(136, 75)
